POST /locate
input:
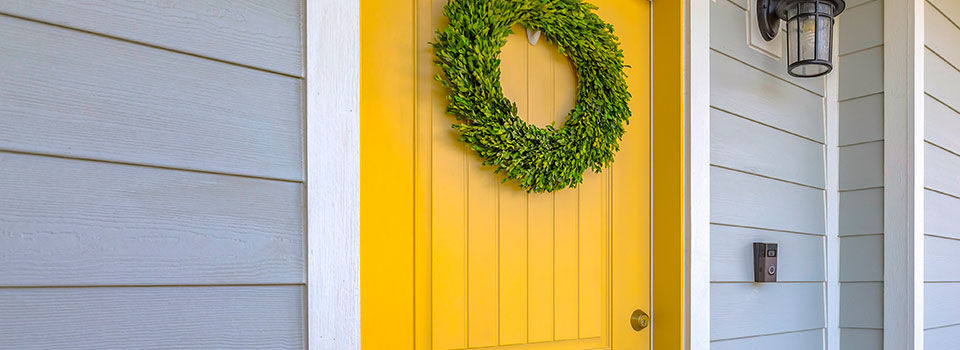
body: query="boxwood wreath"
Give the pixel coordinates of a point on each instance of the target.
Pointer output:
(539, 159)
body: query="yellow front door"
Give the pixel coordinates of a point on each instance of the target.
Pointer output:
(451, 258)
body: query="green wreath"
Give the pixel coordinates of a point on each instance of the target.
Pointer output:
(540, 159)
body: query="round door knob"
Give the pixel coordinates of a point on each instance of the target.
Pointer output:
(639, 320)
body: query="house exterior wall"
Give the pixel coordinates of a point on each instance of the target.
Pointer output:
(861, 175)
(942, 175)
(768, 181)
(151, 168)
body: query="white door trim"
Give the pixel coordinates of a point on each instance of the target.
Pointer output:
(697, 172)
(332, 122)
(903, 174)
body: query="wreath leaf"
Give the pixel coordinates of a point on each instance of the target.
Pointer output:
(544, 159)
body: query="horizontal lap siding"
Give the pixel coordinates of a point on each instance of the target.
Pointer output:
(152, 318)
(80, 95)
(861, 119)
(861, 175)
(152, 166)
(779, 308)
(745, 145)
(802, 340)
(257, 33)
(731, 254)
(70, 222)
(767, 180)
(942, 166)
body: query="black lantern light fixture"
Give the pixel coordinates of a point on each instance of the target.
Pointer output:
(809, 32)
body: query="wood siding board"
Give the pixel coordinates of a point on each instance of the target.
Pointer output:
(943, 125)
(71, 222)
(854, 3)
(731, 254)
(255, 317)
(259, 33)
(805, 340)
(862, 305)
(942, 34)
(786, 307)
(946, 338)
(118, 101)
(940, 260)
(862, 212)
(749, 200)
(942, 170)
(861, 339)
(746, 145)
(861, 119)
(734, 86)
(950, 8)
(861, 166)
(942, 306)
(867, 65)
(940, 80)
(861, 258)
(727, 34)
(940, 215)
(862, 27)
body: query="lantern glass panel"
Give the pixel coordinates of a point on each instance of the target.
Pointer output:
(808, 37)
(824, 37)
(792, 46)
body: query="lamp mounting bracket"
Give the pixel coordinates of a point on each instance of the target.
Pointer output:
(767, 19)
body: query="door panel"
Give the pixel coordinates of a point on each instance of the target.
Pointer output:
(493, 266)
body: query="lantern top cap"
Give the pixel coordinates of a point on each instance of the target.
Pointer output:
(838, 5)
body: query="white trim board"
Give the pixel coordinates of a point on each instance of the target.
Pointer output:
(333, 173)
(697, 172)
(832, 212)
(903, 32)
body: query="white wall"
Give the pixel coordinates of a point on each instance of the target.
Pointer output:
(151, 169)
(942, 175)
(768, 181)
(861, 175)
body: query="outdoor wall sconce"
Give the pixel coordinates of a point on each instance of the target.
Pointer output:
(809, 32)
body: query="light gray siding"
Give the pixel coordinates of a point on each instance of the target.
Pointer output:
(942, 175)
(151, 172)
(259, 33)
(80, 95)
(245, 317)
(861, 175)
(767, 184)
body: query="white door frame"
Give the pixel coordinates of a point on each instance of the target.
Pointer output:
(697, 172)
(332, 122)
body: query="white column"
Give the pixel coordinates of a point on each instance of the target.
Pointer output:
(903, 174)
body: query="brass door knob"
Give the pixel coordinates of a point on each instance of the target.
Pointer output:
(639, 320)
